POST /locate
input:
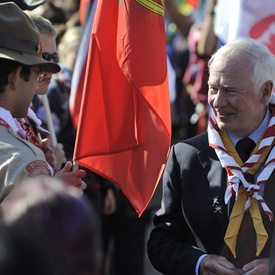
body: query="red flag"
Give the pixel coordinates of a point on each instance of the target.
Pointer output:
(125, 126)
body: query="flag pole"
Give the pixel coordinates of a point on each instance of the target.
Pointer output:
(75, 165)
(49, 119)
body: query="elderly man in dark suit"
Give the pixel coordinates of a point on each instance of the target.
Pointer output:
(216, 215)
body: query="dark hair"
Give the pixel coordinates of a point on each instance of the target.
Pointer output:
(6, 67)
(59, 213)
(23, 254)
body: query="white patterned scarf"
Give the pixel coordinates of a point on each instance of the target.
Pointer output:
(236, 173)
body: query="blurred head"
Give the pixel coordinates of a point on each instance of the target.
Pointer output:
(21, 253)
(48, 41)
(61, 214)
(68, 47)
(241, 81)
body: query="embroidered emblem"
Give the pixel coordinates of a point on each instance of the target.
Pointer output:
(39, 171)
(155, 6)
(215, 201)
(216, 204)
(36, 164)
(218, 209)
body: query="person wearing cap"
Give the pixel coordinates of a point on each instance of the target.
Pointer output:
(31, 124)
(21, 69)
(58, 92)
(54, 153)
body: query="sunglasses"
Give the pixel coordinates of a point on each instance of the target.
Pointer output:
(41, 75)
(49, 57)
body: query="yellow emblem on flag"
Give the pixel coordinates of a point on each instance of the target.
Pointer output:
(153, 6)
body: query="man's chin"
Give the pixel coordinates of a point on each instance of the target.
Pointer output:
(43, 88)
(223, 126)
(44, 92)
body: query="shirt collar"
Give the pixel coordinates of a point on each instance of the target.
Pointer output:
(7, 117)
(256, 135)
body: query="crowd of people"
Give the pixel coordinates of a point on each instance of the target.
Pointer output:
(216, 214)
(94, 221)
(60, 220)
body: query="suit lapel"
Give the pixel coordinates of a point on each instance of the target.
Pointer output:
(269, 192)
(217, 183)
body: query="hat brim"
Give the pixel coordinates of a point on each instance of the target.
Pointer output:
(35, 5)
(30, 60)
(23, 5)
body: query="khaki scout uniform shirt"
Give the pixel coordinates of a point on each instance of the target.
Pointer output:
(19, 159)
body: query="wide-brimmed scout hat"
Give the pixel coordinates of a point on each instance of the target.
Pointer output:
(20, 39)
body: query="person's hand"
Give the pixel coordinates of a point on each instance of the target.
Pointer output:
(257, 267)
(216, 265)
(60, 155)
(48, 152)
(73, 178)
(109, 203)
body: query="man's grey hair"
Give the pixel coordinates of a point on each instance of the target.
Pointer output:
(43, 25)
(261, 59)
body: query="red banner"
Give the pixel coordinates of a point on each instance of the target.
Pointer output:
(125, 126)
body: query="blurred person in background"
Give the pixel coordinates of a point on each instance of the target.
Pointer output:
(58, 91)
(22, 254)
(49, 53)
(52, 212)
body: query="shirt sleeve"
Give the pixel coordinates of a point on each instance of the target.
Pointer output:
(199, 262)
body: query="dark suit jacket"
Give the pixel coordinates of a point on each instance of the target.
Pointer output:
(193, 217)
(271, 270)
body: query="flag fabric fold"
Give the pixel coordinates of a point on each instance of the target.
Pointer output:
(124, 128)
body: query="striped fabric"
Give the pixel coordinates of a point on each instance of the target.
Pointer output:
(236, 173)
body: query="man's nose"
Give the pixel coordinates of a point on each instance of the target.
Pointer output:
(220, 99)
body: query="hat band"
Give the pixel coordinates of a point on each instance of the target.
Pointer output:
(11, 42)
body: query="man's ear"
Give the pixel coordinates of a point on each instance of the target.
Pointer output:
(14, 78)
(266, 91)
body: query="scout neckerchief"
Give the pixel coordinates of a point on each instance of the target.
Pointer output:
(32, 117)
(6, 125)
(11, 123)
(236, 173)
(23, 131)
(28, 132)
(31, 126)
